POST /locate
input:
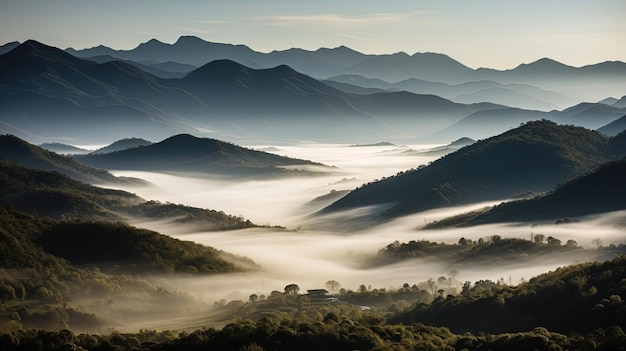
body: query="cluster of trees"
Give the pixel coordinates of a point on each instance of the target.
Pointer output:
(493, 250)
(577, 298)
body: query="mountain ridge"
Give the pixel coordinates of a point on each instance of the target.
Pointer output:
(535, 156)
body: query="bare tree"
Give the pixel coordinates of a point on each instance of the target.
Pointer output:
(333, 286)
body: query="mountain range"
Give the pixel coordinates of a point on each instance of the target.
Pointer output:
(324, 63)
(46, 93)
(606, 77)
(535, 156)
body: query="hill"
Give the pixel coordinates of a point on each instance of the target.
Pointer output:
(122, 145)
(64, 149)
(599, 191)
(57, 196)
(535, 156)
(21, 152)
(615, 127)
(578, 298)
(186, 153)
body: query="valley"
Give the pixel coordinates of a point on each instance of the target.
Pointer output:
(258, 200)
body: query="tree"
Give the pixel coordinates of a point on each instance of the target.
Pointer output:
(597, 242)
(539, 238)
(432, 285)
(553, 241)
(292, 289)
(253, 298)
(333, 286)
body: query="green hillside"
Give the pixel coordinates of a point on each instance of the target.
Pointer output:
(57, 196)
(21, 152)
(602, 190)
(578, 298)
(536, 156)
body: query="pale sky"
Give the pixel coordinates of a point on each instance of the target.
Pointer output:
(478, 33)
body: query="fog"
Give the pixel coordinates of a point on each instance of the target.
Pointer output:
(313, 250)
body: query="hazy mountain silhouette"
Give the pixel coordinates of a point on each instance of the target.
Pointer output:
(512, 95)
(8, 47)
(63, 149)
(186, 153)
(187, 49)
(20, 152)
(621, 103)
(400, 66)
(152, 69)
(615, 127)
(607, 78)
(46, 91)
(597, 192)
(122, 145)
(535, 156)
(486, 123)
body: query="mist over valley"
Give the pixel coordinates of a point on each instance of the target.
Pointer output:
(171, 190)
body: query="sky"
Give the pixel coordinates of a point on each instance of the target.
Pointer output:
(478, 33)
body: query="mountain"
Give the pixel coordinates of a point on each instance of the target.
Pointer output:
(188, 154)
(19, 151)
(483, 124)
(512, 95)
(621, 103)
(615, 127)
(507, 97)
(606, 78)
(599, 191)
(194, 51)
(400, 66)
(49, 91)
(65, 149)
(187, 49)
(535, 156)
(122, 145)
(152, 69)
(8, 47)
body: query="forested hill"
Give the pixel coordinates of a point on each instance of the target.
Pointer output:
(21, 152)
(29, 242)
(186, 153)
(602, 190)
(577, 298)
(60, 197)
(536, 156)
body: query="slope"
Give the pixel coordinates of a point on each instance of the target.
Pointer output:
(535, 156)
(599, 191)
(21, 152)
(57, 196)
(577, 298)
(186, 153)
